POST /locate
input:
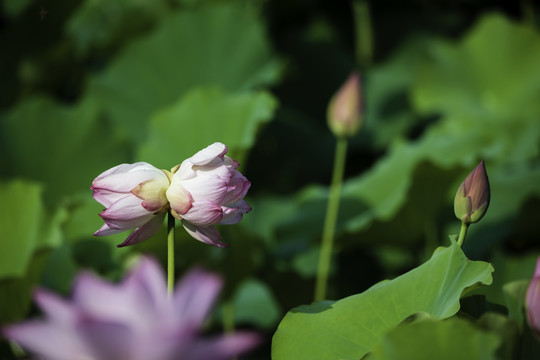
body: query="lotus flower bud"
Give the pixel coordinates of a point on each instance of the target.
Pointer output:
(206, 190)
(345, 108)
(134, 197)
(472, 197)
(533, 301)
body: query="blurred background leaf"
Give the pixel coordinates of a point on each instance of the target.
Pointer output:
(157, 69)
(65, 151)
(29, 231)
(231, 119)
(27, 227)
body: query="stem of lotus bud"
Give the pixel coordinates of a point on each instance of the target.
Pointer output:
(330, 220)
(462, 233)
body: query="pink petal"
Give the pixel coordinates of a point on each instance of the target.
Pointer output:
(232, 164)
(204, 213)
(119, 169)
(233, 215)
(238, 188)
(232, 219)
(153, 204)
(107, 340)
(533, 300)
(124, 225)
(105, 230)
(537, 269)
(179, 198)
(194, 297)
(153, 193)
(99, 299)
(107, 198)
(209, 154)
(56, 308)
(148, 276)
(127, 213)
(206, 234)
(125, 182)
(47, 340)
(210, 186)
(145, 232)
(223, 347)
(185, 171)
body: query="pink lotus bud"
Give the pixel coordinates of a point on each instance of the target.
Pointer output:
(345, 108)
(533, 301)
(134, 197)
(472, 197)
(205, 190)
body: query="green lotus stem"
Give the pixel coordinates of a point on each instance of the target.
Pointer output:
(170, 253)
(462, 233)
(228, 316)
(330, 219)
(228, 319)
(363, 32)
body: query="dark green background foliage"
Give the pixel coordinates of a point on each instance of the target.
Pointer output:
(86, 85)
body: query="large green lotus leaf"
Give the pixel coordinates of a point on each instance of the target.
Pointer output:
(351, 327)
(442, 340)
(64, 147)
(220, 44)
(202, 117)
(26, 226)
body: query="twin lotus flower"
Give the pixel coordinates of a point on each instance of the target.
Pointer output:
(203, 191)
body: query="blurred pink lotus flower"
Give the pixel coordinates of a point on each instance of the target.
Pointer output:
(205, 190)
(533, 301)
(134, 197)
(132, 320)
